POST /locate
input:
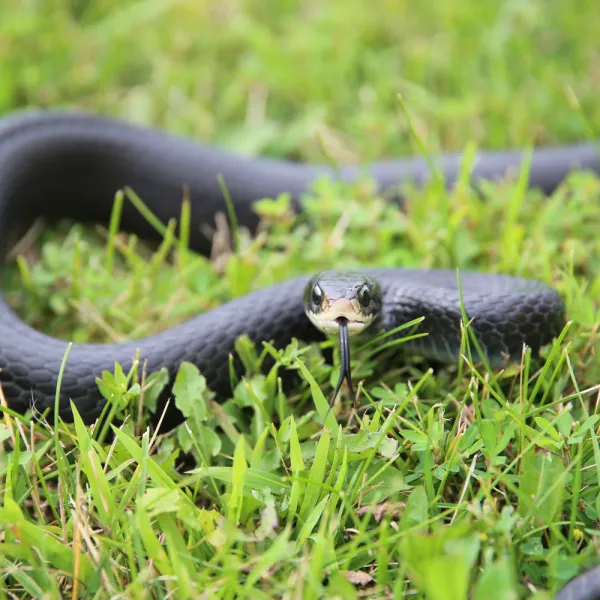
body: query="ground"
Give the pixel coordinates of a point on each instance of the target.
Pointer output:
(443, 483)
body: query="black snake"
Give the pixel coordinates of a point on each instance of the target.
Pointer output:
(69, 165)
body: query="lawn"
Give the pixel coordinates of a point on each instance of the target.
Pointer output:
(442, 483)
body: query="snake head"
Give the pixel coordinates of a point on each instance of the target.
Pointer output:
(351, 297)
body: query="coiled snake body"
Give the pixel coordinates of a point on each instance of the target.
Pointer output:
(66, 164)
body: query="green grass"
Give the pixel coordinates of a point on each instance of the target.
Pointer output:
(439, 484)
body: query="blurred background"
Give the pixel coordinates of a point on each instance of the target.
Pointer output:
(282, 77)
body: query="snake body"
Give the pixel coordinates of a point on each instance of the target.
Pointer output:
(56, 164)
(69, 164)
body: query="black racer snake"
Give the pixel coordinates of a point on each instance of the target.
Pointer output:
(57, 164)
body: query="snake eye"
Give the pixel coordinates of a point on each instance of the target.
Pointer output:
(364, 295)
(317, 295)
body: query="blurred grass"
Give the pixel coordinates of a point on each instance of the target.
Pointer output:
(262, 77)
(438, 483)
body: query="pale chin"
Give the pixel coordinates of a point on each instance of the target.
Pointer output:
(331, 326)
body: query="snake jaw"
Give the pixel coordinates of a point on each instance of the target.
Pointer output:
(338, 311)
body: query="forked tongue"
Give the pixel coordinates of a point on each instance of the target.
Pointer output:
(345, 371)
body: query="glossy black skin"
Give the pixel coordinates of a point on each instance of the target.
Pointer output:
(583, 587)
(69, 165)
(57, 165)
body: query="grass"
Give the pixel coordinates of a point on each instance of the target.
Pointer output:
(441, 484)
